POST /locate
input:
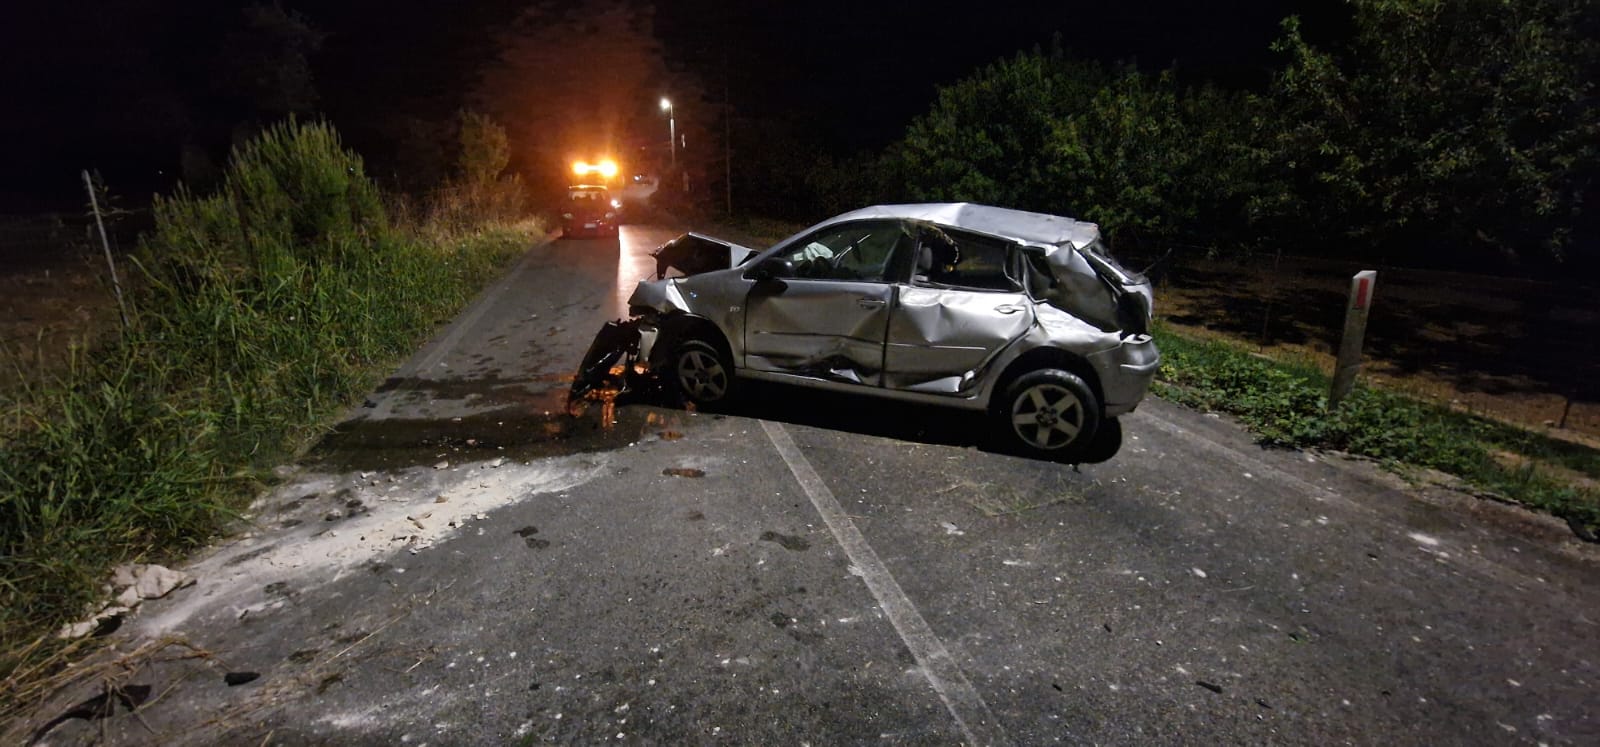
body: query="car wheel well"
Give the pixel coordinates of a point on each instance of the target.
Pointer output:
(1041, 358)
(679, 327)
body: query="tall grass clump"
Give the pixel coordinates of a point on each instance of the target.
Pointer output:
(1286, 405)
(261, 309)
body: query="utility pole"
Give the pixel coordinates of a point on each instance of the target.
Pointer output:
(672, 129)
(727, 137)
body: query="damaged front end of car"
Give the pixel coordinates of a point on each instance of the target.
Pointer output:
(617, 365)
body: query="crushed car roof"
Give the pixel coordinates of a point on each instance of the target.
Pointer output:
(1035, 228)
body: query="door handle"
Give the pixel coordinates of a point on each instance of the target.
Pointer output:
(871, 303)
(1007, 308)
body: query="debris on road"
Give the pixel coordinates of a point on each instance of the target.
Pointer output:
(950, 528)
(149, 581)
(683, 472)
(130, 585)
(234, 679)
(787, 541)
(1209, 686)
(534, 543)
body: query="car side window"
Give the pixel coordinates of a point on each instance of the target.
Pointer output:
(858, 251)
(969, 261)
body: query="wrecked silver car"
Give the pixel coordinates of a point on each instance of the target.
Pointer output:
(1022, 315)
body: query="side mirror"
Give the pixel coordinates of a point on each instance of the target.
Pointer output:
(774, 268)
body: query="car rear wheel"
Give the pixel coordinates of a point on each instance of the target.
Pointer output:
(702, 373)
(1050, 413)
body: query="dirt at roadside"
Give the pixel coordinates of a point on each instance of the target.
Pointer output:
(55, 290)
(46, 310)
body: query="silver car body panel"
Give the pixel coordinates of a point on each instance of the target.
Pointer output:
(827, 329)
(941, 339)
(913, 340)
(1029, 228)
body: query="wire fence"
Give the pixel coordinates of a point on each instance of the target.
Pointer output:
(29, 242)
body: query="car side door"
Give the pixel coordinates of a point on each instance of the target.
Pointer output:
(828, 315)
(963, 305)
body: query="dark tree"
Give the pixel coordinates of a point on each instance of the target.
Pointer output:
(574, 82)
(1467, 127)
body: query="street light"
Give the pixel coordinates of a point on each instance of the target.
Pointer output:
(672, 129)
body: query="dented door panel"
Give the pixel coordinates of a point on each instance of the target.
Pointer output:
(941, 339)
(821, 328)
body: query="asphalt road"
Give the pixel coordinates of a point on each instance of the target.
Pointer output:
(461, 564)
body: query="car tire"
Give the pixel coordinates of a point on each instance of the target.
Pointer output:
(1050, 414)
(701, 373)
(1106, 443)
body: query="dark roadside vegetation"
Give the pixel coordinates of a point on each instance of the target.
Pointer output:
(255, 313)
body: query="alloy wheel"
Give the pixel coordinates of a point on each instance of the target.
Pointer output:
(1047, 416)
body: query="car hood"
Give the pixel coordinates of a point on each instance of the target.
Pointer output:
(694, 253)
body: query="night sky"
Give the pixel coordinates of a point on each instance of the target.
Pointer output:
(120, 85)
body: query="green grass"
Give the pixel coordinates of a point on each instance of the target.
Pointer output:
(262, 310)
(1286, 404)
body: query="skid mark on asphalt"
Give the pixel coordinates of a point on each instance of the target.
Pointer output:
(960, 698)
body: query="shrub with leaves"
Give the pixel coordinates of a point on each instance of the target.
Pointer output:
(1468, 126)
(1145, 158)
(262, 309)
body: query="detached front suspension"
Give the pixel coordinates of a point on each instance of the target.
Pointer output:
(613, 367)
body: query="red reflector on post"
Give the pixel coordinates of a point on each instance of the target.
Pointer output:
(1361, 292)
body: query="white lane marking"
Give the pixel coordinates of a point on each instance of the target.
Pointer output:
(1251, 463)
(458, 329)
(960, 698)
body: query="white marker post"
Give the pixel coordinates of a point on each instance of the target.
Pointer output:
(1355, 328)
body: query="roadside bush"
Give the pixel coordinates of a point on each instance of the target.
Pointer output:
(480, 191)
(1466, 128)
(1147, 159)
(1445, 133)
(262, 309)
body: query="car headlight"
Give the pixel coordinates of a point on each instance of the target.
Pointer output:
(616, 203)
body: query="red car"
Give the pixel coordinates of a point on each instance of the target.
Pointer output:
(590, 210)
